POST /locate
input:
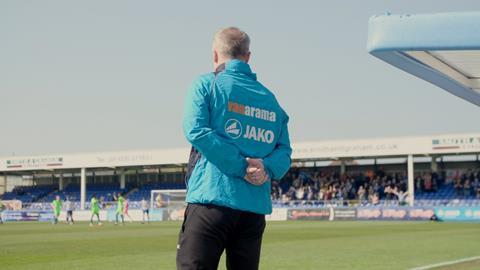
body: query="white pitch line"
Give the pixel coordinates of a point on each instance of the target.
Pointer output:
(447, 263)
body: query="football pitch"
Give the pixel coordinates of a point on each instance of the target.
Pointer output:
(287, 245)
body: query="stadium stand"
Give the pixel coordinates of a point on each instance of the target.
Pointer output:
(319, 187)
(28, 194)
(72, 191)
(310, 187)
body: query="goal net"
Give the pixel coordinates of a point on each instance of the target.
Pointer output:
(167, 198)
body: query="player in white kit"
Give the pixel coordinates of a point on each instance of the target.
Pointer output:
(145, 210)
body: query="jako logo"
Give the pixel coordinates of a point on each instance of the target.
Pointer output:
(233, 128)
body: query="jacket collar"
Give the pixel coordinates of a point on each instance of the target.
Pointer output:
(239, 66)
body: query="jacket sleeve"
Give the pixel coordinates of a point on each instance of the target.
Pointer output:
(279, 160)
(219, 151)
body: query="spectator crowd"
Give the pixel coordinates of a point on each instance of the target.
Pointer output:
(369, 187)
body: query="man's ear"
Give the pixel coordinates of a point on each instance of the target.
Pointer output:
(215, 57)
(247, 57)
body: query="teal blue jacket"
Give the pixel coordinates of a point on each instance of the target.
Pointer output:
(228, 117)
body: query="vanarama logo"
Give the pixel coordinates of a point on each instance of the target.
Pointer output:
(234, 129)
(252, 111)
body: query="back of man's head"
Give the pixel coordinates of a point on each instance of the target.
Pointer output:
(231, 43)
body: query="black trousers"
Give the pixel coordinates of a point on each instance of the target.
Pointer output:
(208, 230)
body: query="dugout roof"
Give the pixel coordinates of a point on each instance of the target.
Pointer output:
(443, 49)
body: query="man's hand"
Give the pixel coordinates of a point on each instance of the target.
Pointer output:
(256, 174)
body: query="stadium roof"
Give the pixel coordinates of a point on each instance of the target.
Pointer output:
(319, 150)
(443, 49)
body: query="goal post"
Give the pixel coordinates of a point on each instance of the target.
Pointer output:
(167, 198)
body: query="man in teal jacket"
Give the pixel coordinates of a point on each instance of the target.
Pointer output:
(240, 142)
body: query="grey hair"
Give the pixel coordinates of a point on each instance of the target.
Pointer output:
(231, 42)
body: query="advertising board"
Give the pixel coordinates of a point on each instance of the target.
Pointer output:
(344, 213)
(309, 214)
(27, 215)
(394, 213)
(458, 213)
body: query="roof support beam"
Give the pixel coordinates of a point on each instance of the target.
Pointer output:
(411, 184)
(83, 188)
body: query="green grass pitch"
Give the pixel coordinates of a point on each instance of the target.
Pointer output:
(286, 245)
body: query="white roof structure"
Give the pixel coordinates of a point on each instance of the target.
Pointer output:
(443, 49)
(389, 147)
(320, 150)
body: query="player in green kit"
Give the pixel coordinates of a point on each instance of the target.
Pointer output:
(95, 206)
(57, 208)
(120, 206)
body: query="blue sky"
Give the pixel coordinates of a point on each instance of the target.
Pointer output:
(81, 76)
